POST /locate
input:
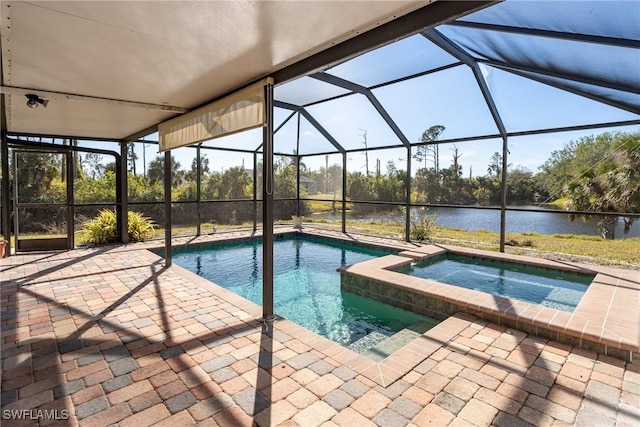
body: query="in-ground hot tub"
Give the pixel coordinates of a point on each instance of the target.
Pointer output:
(604, 319)
(557, 289)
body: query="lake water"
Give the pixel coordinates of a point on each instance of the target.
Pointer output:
(474, 219)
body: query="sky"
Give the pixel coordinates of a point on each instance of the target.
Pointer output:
(450, 98)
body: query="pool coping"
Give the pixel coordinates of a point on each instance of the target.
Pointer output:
(156, 246)
(602, 320)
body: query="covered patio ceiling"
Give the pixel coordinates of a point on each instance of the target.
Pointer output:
(114, 70)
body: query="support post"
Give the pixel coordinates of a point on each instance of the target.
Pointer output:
(255, 190)
(69, 159)
(6, 201)
(267, 208)
(503, 198)
(198, 189)
(298, 168)
(344, 192)
(298, 185)
(122, 196)
(407, 224)
(16, 198)
(167, 208)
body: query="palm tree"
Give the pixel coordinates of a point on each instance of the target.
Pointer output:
(610, 185)
(155, 171)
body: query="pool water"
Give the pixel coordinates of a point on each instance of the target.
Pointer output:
(551, 288)
(306, 287)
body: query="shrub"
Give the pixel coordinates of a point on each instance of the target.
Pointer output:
(139, 227)
(103, 228)
(423, 229)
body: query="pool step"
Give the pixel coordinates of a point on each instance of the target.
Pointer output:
(391, 344)
(367, 342)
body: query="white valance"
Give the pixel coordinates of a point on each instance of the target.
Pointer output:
(242, 110)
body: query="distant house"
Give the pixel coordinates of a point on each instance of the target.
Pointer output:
(309, 185)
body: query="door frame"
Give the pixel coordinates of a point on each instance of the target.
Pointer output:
(68, 242)
(44, 243)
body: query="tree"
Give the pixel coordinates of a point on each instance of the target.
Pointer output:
(484, 190)
(358, 187)
(600, 174)
(285, 177)
(39, 180)
(98, 190)
(191, 175)
(521, 186)
(428, 148)
(155, 172)
(93, 165)
(366, 151)
(132, 157)
(211, 186)
(495, 165)
(455, 165)
(558, 169)
(141, 190)
(422, 183)
(110, 167)
(453, 189)
(395, 184)
(335, 177)
(236, 184)
(325, 174)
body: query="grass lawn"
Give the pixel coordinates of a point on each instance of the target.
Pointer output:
(623, 252)
(316, 204)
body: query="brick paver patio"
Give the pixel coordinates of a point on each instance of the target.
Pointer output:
(112, 337)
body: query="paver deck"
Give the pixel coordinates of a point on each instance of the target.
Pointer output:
(109, 336)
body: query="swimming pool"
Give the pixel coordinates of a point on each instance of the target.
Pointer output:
(556, 289)
(306, 287)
